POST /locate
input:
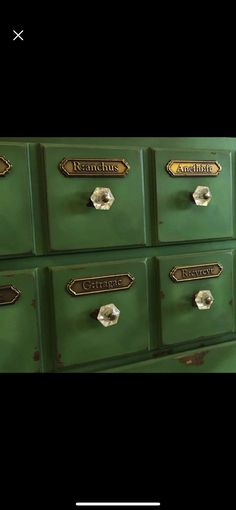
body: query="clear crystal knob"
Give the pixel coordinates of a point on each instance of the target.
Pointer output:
(204, 299)
(108, 315)
(102, 198)
(202, 195)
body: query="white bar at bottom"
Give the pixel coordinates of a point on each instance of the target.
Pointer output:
(118, 504)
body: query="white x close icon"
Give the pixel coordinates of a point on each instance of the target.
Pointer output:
(18, 35)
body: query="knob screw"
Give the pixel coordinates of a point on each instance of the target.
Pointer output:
(105, 197)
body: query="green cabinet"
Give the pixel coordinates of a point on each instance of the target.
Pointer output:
(19, 333)
(182, 320)
(80, 337)
(74, 224)
(117, 254)
(214, 359)
(180, 219)
(15, 201)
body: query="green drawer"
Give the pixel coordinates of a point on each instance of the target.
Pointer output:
(181, 320)
(179, 218)
(83, 339)
(15, 201)
(73, 225)
(19, 341)
(215, 359)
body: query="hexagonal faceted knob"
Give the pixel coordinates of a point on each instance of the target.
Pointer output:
(203, 299)
(108, 315)
(102, 198)
(202, 195)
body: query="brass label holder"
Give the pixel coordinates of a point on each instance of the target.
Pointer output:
(8, 294)
(99, 284)
(94, 167)
(5, 166)
(196, 272)
(193, 168)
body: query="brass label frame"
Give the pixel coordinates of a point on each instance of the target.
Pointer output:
(94, 167)
(212, 270)
(99, 284)
(5, 166)
(8, 294)
(193, 168)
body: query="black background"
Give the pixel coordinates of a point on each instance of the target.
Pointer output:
(108, 438)
(83, 437)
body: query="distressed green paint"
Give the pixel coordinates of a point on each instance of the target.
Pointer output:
(15, 203)
(216, 359)
(81, 338)
(183, 322)
(75, 226)
(19, 340)
(179, 218)
(62, 235)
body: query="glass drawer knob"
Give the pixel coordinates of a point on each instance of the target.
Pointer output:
(203, 299)
(202, 195)
(107, 315)
(102, 198)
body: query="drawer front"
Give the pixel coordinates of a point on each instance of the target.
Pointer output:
(15, 200)
(187, 314)
(74, 223)
(81, 338)
(19, 343)
(180, 218)
(217, 359)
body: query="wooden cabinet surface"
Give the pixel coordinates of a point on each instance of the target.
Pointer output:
(117, 254)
